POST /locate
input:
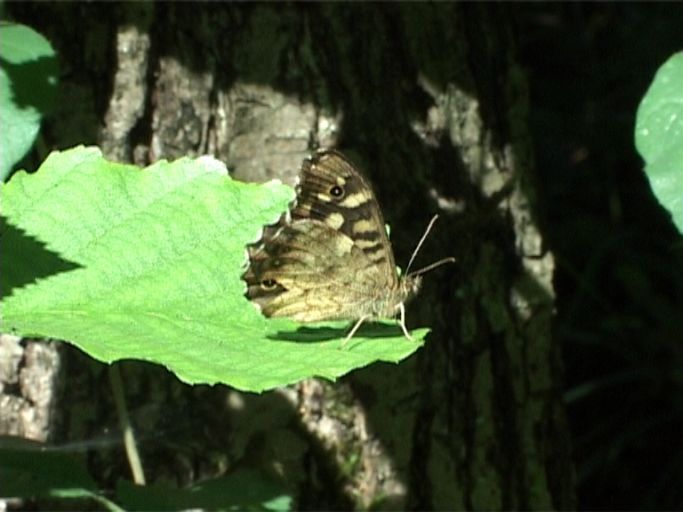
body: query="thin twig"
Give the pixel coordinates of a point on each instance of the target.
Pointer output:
(126, 427)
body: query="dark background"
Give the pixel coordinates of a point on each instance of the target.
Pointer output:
(619, 274)
(619, 278)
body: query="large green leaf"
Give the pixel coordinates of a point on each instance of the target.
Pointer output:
(659, 136)
(28, 84)
(146, 264)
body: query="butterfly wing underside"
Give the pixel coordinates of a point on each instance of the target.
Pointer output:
(355, 213)
(330, 258)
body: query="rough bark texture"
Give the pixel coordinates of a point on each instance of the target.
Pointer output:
(29, 370)
(429, 100)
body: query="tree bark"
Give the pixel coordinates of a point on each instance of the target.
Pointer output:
(429, 100)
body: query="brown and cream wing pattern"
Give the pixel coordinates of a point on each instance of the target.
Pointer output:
(333, 191)
(309, 272)
(330, 258)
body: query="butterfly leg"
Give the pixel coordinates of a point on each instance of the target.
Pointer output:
(402, 309)
(353, 330)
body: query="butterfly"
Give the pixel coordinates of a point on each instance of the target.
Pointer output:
(329, 256)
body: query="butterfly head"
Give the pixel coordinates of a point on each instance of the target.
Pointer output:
(410, 286)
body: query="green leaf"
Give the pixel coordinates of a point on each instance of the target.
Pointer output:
(146, 264)
(659, 136)
(28, 85)
(241, 490)
(29, 469)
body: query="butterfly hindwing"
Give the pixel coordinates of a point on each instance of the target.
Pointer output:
(285, 276)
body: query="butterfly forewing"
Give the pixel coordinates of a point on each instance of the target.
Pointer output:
(332, 190)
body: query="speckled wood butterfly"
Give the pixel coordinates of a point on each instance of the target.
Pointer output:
(329, 257)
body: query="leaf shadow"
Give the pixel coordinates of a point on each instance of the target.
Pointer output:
(25, 259)
(312, 334)
(33, 83)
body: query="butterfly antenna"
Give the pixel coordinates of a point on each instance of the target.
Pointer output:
(419, 244)
(450, 259)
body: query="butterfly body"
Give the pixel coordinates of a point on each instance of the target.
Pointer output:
(329, 257)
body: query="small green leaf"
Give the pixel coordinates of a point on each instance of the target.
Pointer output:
(659, 136)
(28, 85)
(146, 264)
(30, 469)
(241, 490)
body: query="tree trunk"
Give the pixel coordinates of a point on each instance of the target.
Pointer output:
(428, 99)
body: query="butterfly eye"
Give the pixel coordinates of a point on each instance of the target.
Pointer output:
(336, 191)
(268, 284)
